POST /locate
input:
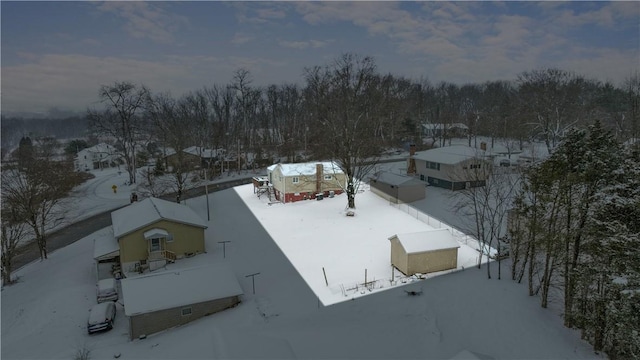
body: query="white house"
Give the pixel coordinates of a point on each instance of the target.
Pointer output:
(97, 157)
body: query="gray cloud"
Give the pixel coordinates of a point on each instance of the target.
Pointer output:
(146, 20)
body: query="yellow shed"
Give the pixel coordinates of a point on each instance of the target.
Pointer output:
(424, 252)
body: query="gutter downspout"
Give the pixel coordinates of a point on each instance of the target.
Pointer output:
(284, 187)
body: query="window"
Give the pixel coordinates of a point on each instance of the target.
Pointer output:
(433, 165)
(186, 311)
(155, 244)
(328, 177)
(295, 180)
(170, 238)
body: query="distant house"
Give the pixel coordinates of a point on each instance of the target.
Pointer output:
(424, 252)
(159, 301)
(397, 188)
(195, 156)
(441, 130)
(152, 232)
(453, 167)
(100, 156)
(294, 182)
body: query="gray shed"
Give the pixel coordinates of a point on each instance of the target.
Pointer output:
(424, 252)
(397, 188)
(159, 301)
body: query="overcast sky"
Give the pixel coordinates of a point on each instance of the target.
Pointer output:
(57, 54)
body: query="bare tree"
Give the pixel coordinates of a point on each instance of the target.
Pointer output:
(551, 101)
(173, 123)
(222, 101)
(487, 206)
(35, 194)
(13, 232)
(122, 119)
(344, 100)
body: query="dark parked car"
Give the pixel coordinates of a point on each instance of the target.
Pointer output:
(101, 317)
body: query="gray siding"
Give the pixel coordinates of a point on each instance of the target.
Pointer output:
(398, 194)
(149, 323)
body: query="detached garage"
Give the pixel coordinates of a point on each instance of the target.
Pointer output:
(424, 252)
(159, 301)
(397, 188)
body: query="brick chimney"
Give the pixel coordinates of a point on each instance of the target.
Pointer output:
(411, 162)
(319, 177)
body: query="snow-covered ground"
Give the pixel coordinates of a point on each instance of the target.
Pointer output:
(318, 238)
(44, 315)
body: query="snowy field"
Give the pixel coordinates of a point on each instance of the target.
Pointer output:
(317, 235)
(44, 314)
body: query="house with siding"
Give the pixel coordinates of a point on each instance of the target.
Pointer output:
(304, 181)
(100, 156)
(397, 188)
(453, 167)
(153, 232)
(162, 300)
(195, 156)
(424, 252)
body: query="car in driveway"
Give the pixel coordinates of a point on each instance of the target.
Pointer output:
(107, 290)
(101, 317)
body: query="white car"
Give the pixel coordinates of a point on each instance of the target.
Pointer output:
(101, 317)
(107, 290)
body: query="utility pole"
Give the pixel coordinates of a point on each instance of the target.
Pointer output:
(253, 281)
(224, 247)
(206, 190)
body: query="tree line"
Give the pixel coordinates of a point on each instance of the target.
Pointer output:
(575, 237)
(573, 224)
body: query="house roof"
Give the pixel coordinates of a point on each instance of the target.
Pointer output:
(175, 288)
(102, 148)
(424, 241)
(449, 154)
(105, 247)
(202, 152)
(150, 210)
(328, 167)
(445, 126)
(396, 179)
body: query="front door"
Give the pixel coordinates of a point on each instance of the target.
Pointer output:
(155, 244)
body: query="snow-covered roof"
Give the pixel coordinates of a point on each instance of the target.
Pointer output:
(150, 210)
(328, 167)
(105, 247)
(175, 288)
(202, 152)
(155, 233)
(423, 241)
(396, 179)
(102, 148)
(445, 126)
(449, 154)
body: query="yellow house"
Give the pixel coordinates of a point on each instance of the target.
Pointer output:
(424, 252)
(152, 232)
(303, 181)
